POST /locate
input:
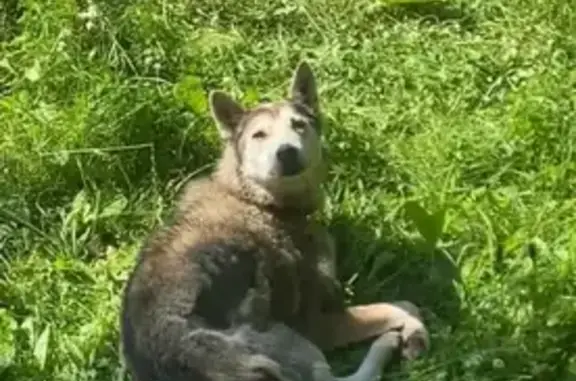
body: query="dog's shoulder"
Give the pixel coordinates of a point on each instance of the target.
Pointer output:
(206, 257)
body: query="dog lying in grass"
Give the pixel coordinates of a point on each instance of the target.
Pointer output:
(253, 215)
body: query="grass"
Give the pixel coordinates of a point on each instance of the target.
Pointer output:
(451, 135)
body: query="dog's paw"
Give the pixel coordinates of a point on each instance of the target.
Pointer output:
(415, 338)
(391, 340)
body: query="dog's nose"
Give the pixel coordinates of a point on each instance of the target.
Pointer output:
(289, 160)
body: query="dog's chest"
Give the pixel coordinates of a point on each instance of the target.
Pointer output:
(293, 274)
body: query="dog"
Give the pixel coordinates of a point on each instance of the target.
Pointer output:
(254, 213)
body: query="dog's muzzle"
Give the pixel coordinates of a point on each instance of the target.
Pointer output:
(289, 159)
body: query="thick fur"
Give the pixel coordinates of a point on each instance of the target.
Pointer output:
(183, 299)
(298, 358)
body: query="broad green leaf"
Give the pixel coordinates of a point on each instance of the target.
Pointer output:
(33, 73)
(79, 201)
(41, 347)
(430, 226)
(114, 209)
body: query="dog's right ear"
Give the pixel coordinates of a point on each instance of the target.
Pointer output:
(226, 112)
(303, 86)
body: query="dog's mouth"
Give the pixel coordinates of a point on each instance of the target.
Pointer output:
(291, 169)
(287, 177)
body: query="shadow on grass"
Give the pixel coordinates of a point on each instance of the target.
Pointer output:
(350, 155)
(154, 145)
(140, 158)
(432, 11)
(388, 270)
(10, 12)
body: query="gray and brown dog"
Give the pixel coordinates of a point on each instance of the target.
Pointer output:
(253, 215)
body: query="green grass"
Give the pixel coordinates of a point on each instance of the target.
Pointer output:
(451, 130)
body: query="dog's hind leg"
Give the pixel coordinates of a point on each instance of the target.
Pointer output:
(300, 360)
(232, 359)
(183, 354)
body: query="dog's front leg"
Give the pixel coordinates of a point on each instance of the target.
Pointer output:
(338, 326)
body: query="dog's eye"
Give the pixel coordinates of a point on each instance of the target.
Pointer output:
(259, 135)
(298, 125)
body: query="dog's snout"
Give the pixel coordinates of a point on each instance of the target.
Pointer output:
(287, 152)
(289, 160)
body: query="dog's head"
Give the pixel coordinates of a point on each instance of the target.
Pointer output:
(277, 146)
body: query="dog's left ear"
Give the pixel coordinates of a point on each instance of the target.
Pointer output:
(303, 88)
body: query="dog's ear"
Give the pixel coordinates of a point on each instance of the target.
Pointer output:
(303, 87)
(226, 112)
